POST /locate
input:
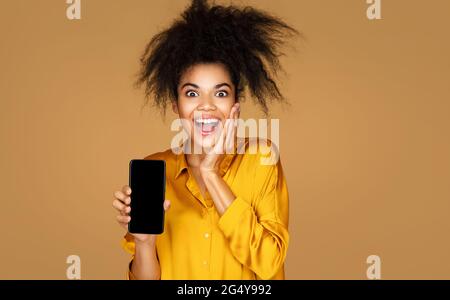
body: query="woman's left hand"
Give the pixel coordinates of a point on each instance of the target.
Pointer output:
(226, 139)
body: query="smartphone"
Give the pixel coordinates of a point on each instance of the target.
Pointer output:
(148, 186)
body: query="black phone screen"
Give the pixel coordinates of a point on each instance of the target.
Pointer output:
(147, 183)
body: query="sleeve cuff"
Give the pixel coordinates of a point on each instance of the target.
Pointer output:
(230, 219)
(128, 244)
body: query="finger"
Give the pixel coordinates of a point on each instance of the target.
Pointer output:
(123, 219)
(236, 119)
(226, 124)
(233, 110)
(126, 190)
(166, 205)
(120, 195)
(126, 211)
(238, 111)
(231, 128)
(117, 204)
(232, 119)
(230, 134)
(220, 140)
(127, 200)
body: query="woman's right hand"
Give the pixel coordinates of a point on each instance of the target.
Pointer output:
(122, 204)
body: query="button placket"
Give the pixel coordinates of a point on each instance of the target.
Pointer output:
(206, 263)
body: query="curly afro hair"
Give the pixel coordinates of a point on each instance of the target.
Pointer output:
(245, 40)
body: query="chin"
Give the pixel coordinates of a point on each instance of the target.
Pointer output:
(203, 143)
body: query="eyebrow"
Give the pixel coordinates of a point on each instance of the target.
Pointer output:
(197, 87)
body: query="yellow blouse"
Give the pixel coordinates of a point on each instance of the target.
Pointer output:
(249, 241)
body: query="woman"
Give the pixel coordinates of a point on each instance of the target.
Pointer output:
(229, 212)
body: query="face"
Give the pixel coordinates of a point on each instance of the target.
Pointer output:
(205, 98)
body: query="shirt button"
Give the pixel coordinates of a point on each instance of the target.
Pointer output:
(206, 235)
(205, 262)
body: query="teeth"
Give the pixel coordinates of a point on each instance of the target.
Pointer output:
(207, 121)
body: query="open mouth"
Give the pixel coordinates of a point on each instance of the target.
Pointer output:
(206, 126)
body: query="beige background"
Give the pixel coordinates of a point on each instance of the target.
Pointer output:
(365, 144)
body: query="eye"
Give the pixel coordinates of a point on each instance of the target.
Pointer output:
(221, 94)
(191, 93)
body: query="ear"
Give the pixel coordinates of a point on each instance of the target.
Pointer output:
(175, 107)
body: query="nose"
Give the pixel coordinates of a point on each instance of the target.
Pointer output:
(207, 104)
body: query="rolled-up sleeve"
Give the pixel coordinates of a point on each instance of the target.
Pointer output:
(257, 228)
